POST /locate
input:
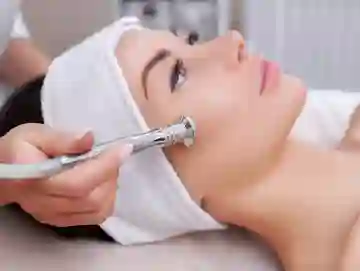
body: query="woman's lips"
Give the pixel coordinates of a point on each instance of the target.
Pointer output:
(270, 76)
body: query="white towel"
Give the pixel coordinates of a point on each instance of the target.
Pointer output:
(325, 117)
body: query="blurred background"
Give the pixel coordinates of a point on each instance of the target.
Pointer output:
(318, 40)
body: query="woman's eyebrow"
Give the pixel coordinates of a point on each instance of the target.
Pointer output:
(161, 55)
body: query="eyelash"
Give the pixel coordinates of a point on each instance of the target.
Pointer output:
(179, 70)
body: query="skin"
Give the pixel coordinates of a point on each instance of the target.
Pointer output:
(302, 200)
(21, 62)
(351, 143)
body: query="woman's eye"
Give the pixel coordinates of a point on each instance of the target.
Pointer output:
(178, 75)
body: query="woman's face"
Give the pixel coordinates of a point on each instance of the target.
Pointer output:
(243, 106)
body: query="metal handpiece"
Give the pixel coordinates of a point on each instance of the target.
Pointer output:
(182, 131)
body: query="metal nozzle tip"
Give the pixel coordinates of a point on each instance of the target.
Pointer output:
(190, 126)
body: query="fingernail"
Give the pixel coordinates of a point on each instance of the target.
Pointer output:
(126, 151)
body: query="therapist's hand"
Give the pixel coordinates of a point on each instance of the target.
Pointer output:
(83, 195)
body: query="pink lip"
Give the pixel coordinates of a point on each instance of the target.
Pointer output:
(270, 76)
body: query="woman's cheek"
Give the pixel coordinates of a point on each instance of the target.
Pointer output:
(211, 113)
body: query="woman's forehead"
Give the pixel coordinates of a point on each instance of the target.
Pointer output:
(151, 38)
(138, 47)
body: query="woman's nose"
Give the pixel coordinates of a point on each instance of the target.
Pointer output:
(230, 48)
(237, 38)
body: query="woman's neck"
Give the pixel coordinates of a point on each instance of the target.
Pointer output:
(289, 202)
(293, 204)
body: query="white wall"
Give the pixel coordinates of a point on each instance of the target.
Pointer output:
(58, 24)
(318, 40)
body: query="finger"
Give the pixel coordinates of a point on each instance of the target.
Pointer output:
(85, 177)
(50, 206)
(54, 143)
(81, 219)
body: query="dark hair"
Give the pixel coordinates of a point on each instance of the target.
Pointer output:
(23, 106)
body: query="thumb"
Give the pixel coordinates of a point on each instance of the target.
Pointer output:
(54, 143)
